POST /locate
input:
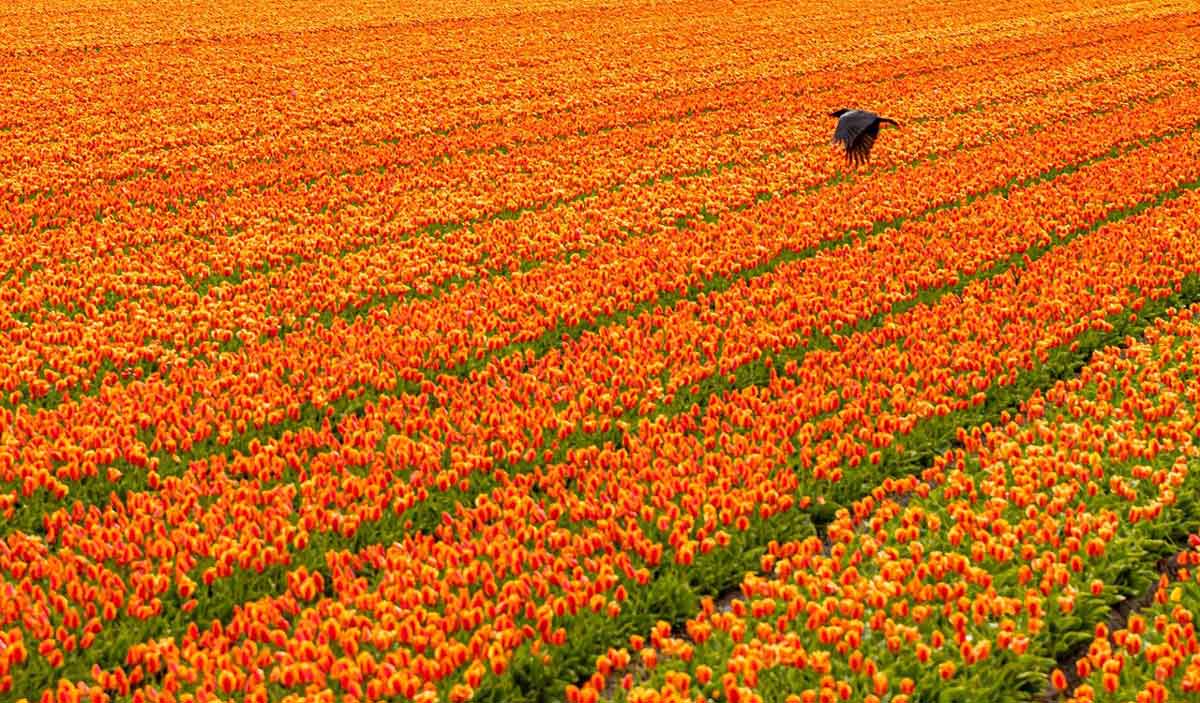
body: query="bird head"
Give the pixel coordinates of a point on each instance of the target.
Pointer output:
(838, 113)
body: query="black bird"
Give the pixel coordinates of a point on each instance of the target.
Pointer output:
(857, 129)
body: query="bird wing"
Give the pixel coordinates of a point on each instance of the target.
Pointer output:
(865, 142)
(850, 125)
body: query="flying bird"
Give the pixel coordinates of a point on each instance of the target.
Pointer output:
(857, 130)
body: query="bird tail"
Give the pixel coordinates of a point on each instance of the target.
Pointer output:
(888, 120)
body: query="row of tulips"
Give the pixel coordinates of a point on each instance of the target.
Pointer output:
(969, 581)
(733, 107)
(219, 175)
(747, 490)
(482, 422)
(321, 368)
(345, 110)
(764, 131)
(677, 379)
(138, 313)
(444, 405)
(448, 105)
(1152, 655)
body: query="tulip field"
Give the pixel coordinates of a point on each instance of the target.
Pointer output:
(547, 350)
